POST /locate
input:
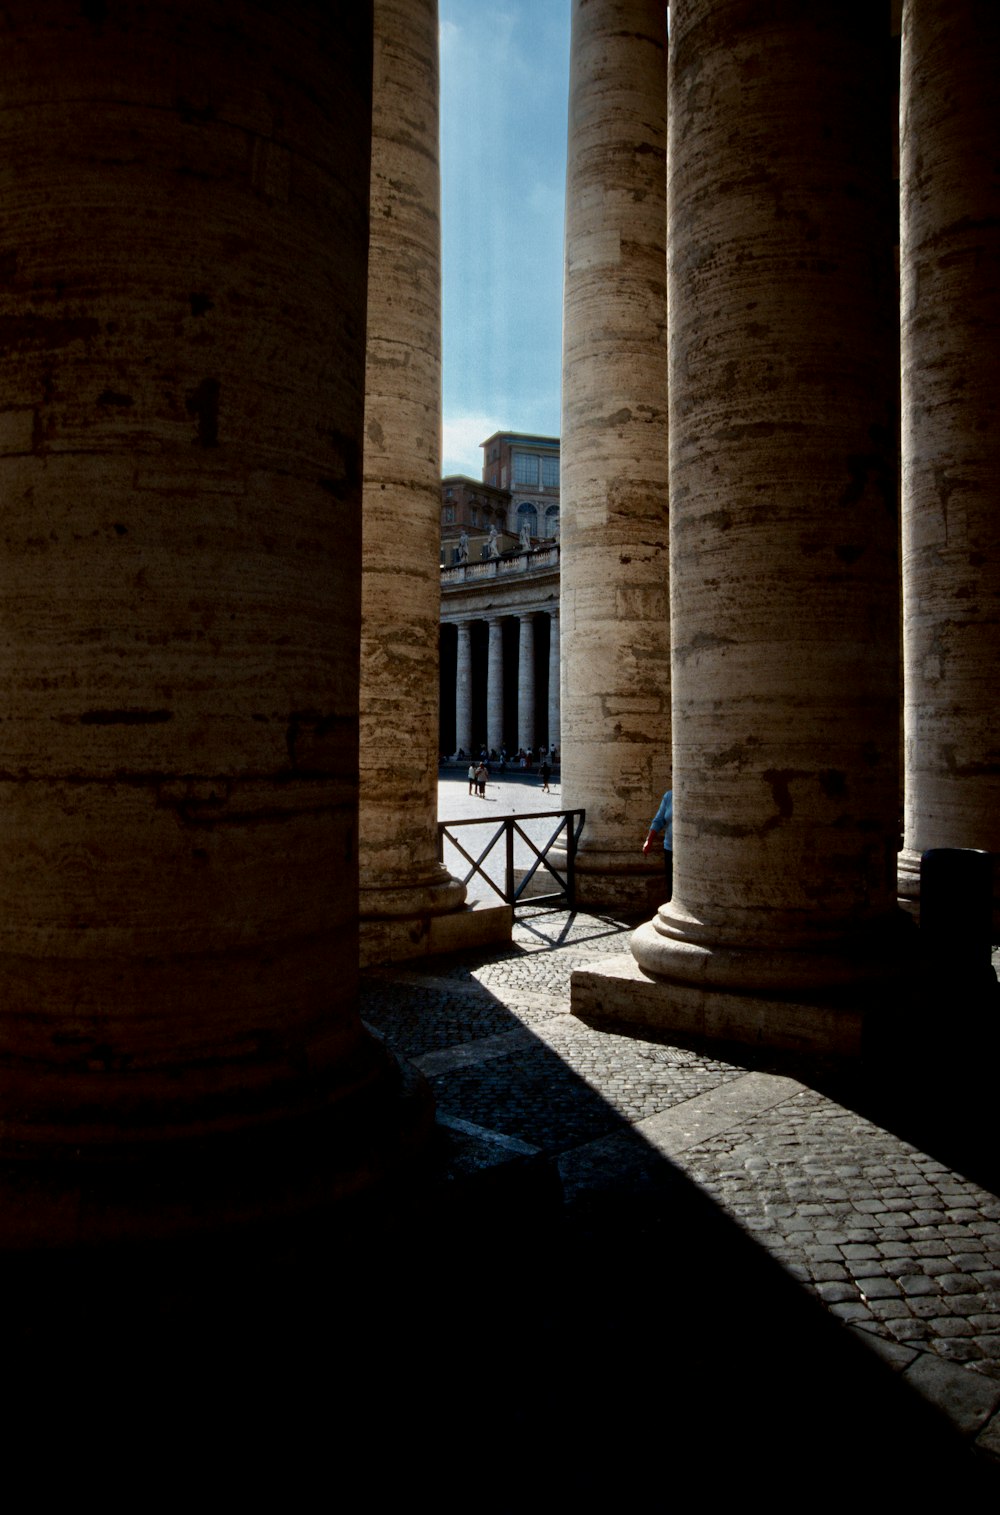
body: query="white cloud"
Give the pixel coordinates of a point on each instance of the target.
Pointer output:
(461, 436)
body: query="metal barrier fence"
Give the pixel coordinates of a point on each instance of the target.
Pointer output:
(570, 825)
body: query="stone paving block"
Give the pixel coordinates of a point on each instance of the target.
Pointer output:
(828, 1272)
(926, 1308)
(854, 1313)
(891, 1352)
(988, 1440)
(915, 1284)
(950, 1326)
(866, 1268)
(908, 1328)
(888, 1309)
(879, 1288)
(956, 1349)
(834, 1293)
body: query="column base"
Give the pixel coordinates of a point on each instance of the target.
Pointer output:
(395, 939)
(617, 995)
(300, 1168)
(908, 882)
(680, 948)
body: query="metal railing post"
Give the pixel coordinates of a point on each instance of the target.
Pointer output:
(509, 881)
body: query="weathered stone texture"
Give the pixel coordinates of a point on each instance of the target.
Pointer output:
(950, 277)
(783, 522)
(400, 874)
(183, 210)
(614, 593)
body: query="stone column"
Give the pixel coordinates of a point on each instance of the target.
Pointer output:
(526, 683)
(553, 679)
(494, 685)
(402, 883)
(950, 272)
(180, 1039)
(783, 531)
(463, 690)
(614, 558)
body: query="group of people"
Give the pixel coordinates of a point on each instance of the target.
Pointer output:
(478, 774)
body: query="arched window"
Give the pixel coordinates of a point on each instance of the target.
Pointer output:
(552, 521)
(527, 514)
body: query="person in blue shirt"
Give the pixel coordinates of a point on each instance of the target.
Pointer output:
(662, 824)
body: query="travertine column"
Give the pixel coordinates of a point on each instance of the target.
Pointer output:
(783, 530)
(463, 690)
(401, 878)
(526, 682)
(950, 271)
(184, 205)
(614, 592)
(553, 679)
(494, 685)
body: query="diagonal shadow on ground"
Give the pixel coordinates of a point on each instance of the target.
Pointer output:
(615, 1336)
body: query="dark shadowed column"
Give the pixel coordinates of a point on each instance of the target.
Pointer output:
(950, 274)
(526, 681)
(403, 886)
(184, 214)
(783, 529)
(614, 592)
(463, 690)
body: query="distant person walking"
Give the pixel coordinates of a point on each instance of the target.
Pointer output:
(546, 773)
(662, 824)
(481, 773)
(472, 776)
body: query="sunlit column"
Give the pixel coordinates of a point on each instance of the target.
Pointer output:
(553, 679)
(400, 874)
(494, 685)
(526, 683)
(614, 591)
(182, 418)
(783, 529)
(463, 690)
(950, 272)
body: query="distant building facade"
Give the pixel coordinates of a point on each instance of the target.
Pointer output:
(500, 599)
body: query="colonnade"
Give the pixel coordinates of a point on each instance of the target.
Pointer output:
(485, 714)
(784, 509)
(183, 428)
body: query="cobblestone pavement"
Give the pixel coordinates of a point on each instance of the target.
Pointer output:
(800, 1166)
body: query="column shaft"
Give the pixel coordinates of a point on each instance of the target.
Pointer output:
(463, 690)
(526, 683)
(494, 686)
(950, 273)
(614, 550)
(182, 559)
(400, 873)
(783, 531)
(554, 738)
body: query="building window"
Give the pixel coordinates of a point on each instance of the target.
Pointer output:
(525, 468)
(449, 515)
(474, 516)
(552, 521)
(550, 473)
(527, 515)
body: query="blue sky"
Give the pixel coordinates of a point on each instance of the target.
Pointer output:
(504, 82)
